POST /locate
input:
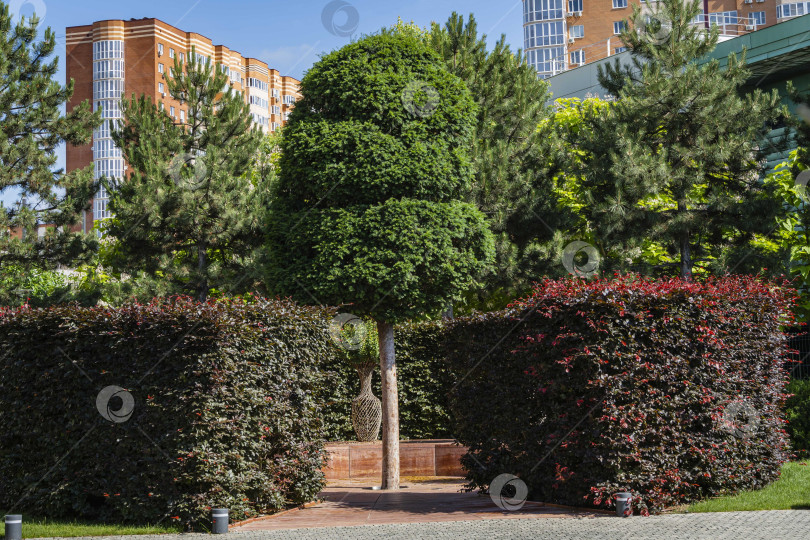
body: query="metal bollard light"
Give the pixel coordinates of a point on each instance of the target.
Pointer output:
(14, 527)
(219, 520)
(624, 503)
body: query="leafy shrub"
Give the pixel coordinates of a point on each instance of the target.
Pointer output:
(223, 409)
(797, 412)
(424, 383)
(669, 389)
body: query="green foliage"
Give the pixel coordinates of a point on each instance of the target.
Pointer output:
(512, 160)
(797, 412)
(424, 385)
(224, 410)
(675, 161)
(793, 233)
(191, 212)
(374, 162)
(31, 128)
(673, 390)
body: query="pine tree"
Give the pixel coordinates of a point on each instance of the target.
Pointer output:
(190, 212)
(31, 128)
(512, 160)
(676, 160)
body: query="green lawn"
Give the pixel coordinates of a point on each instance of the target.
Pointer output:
(34, 527)
(790, 492)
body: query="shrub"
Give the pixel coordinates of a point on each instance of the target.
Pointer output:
(223, 409)
(424, 378)
(669, 389)
(797, 412)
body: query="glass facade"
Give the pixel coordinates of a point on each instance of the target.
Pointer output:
(108, 87)
(545, 35)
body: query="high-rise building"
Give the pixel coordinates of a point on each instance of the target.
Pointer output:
(112, 59)
(562, 34)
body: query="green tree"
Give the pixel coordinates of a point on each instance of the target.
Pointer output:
(191, 211)
(513, 161)
(368, 209)
(675, 160)
(31, 127)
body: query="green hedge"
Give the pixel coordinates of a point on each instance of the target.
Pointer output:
(424, 384)
(671, 390)
(223, 415)
(797, 412)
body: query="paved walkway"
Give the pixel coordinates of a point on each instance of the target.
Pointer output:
(348, 503)
(437, 510)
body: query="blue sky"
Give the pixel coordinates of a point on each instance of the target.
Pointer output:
(288, 35)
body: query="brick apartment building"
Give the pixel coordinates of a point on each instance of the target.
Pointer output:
(112, 59)
(563, 34)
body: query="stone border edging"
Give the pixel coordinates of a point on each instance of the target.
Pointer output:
(269, 516)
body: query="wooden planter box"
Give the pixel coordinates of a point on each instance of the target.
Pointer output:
(416, 458)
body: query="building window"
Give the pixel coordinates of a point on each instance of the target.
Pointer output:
(618, 26)
(108, 49)
(160, 87)
(108, 69)
(160, 68)
(162, 107)
(618, 50)
(257, 83)
(792, 10)
(171, 52)
(182, 58)
(575, 5)
(182, 115)
(547, 61)
(757, 18)
(171, 112)
(578, 57)
(160, 48)
(289, 100)
(108, 89)
(542, 10)
(723, 19)
(543, 34)
(576, 31)
(619, 4)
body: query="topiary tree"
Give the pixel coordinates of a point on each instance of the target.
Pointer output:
(368, 207)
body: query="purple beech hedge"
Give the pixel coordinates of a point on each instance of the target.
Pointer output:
(223, 412)
(671, 390)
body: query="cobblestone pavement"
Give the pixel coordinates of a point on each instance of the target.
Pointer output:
(771, 525)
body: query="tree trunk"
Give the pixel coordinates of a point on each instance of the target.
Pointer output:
(686, 251)
(390, 407)
(202, 288)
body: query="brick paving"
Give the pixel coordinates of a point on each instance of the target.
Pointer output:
(439, 510)
(347, 503)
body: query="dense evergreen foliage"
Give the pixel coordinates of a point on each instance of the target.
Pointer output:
(676, 159)
(512, 159)
(367, 209)
(189, 214)
(32, 126)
